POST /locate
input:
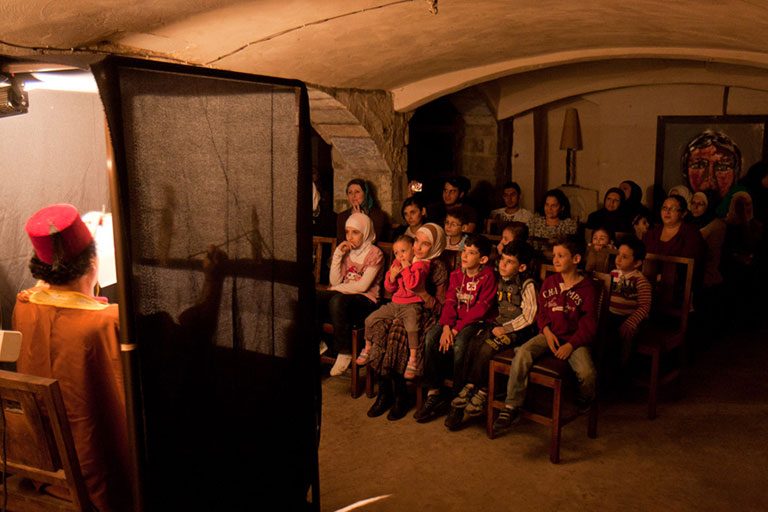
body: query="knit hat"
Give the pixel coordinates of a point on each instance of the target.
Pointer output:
(58, 234)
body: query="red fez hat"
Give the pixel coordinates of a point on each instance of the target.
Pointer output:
(58, 233)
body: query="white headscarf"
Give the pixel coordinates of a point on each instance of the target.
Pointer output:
(436, 235)
(363, 224)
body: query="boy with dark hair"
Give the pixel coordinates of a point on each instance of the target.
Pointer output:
(455, 224)
(567, 320)
(469, 302)
(516, 302)
(511, 210)
(630, 301)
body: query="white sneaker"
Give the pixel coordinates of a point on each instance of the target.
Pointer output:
(341, 364)
(323, 347)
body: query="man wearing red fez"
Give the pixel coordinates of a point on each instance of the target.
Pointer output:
(72, 336)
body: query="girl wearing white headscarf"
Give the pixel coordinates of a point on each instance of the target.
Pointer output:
(355, 275)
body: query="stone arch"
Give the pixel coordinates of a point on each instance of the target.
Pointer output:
(355, 152)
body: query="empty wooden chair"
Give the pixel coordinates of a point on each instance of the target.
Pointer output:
(38, 444)
(553, 374)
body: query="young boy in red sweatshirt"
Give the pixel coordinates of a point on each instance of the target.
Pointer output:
(567, 321)
(470, 301)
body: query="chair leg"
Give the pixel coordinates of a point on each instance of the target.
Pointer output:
(554, 445)
(653, 385)
(491, 395)
(355, 368)
(592, 425)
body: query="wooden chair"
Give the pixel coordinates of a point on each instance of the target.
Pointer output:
(554, 374)
(319, 243)
(671, 278)
(38, 444)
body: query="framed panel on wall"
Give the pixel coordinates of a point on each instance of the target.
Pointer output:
(707, 152)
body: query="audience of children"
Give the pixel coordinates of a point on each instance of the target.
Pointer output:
(468, 305)
(456, 224)
(554, 220)
(355, 274)
(512, 211)
(461, 309)
(600, 251)
(567, 322)
(406, 273)
(516, 304)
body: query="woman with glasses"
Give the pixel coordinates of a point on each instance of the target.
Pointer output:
(674, 237)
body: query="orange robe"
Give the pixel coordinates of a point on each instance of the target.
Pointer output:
(73, 338)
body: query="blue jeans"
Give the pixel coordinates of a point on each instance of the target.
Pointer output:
(536, 347)
(439, 366)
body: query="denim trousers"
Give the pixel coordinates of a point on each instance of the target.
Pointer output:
(536, 347)
(439, 366)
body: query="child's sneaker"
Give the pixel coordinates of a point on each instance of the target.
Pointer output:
(507, 418)
(341, 364)
(455, 419)
(365, 354)
(462, 399)
(413, 368)
(476, 405)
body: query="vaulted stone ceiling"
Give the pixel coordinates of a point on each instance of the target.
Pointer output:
(401, 45)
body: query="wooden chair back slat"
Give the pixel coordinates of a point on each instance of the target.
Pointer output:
(318, 244)
(671, 278)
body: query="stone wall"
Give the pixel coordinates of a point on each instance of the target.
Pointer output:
(369, 140)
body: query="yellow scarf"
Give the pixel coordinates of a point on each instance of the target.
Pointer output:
(72, 300)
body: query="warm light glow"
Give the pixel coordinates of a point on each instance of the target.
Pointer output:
(63, 81)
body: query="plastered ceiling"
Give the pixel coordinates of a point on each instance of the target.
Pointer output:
(398, 45)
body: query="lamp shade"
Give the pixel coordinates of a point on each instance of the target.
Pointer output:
(571, 138)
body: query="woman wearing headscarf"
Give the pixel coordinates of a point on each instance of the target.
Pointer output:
(355, 277)
(712, 229)
(612, 215)
(743, 259)
(389, 351)
(361, 200)
(633, 196)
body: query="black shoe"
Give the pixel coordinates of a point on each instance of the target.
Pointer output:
(583, 404)
(507, 418)
(455, 418)
(432, 408)
(383, 400)
(400, 408)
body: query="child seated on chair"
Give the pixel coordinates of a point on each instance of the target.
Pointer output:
(630, 301)
(599, 252)
(511, 232)
(455, 226)
(469, 303)
(516, 302)
(405, 274)
(567, 322)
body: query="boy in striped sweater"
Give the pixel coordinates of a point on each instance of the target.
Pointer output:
(630, 295)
